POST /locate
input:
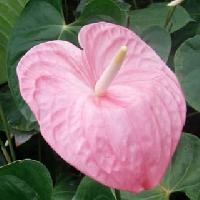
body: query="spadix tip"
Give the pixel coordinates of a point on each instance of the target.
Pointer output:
(120, 55)
(174, 3)
(124, 48)
(110, 72)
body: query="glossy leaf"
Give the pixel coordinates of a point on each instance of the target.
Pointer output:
(185, 165)
(179, 37)
(30, 178)
(10, 10)
(188, 31)
(81, 5)
(159, 39)
(14, 117)
(2, 160)
(91, 190)
(57, 4)
(97, 10)
(187, 69)
(14, 188)
(182, 174)
(193, 7)
(65, 188)
(35, 25)
(156, 14)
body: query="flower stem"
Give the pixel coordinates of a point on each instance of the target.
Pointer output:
(7, 131)
(65, 11)
(169, 16)
(39, 149)
(192, 114)
(4, 151)
(128, 21)
(135, 4)
(117, 194)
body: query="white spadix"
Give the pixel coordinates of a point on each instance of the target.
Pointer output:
(110, 72)
(175, 3)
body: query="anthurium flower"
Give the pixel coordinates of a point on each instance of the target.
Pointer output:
(111, 108)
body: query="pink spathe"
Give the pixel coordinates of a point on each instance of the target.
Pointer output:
(123, 139)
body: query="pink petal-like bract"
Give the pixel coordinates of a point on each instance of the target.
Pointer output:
(123, 139)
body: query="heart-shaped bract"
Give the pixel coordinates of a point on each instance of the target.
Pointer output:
(123, 139)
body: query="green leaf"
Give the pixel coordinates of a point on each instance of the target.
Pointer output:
(57, 4)
(65, 188)
(188, 31)
(156, 14)
(187, 59)
(15, 119)
(97, 10)
(193, 7)
(91, 190)
(14, 188)
(81, 5)
(40, 21)
(159, 39)
(179, 37)
(182, 174)
(30, 178)
(2, 160)
(10, 10)
(154, 194)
